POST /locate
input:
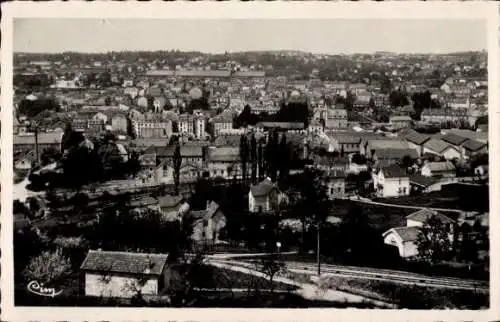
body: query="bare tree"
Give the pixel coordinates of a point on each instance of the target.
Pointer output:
(271, 266)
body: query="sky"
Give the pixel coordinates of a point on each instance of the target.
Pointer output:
(333, 36)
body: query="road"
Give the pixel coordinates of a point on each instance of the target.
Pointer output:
(400, 277)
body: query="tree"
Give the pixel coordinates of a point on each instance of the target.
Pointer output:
(272, 158)
(385, 85)
(177, 160)
(434, 243)
(284, 161)
(406, 162)
(260, 161)
(271, 266)
(133, 164)
(244, 153)
(81, 166)
(254, 158)
(48, 268)
(398, 98)
(107, 101)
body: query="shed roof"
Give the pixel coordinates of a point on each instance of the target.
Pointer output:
(124, 262)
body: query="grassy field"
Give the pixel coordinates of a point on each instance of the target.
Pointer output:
(460, 197)
(379, 217)
(221, 278)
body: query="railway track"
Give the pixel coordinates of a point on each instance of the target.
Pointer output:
(375, 274)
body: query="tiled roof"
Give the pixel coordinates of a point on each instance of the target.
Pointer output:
(223, 118)
(388, 144)
(436, 145)
(425, 214)
(263, 188)
(148, 142)
(392, 153)
(453, 139)
(415, 137)
(399, 118)
(394, 171)
(282, 125)
(124, 262)
(186, 151)
(440, 166)
(346, 139)
(224, 154)
(43, 138)
(422, 180)
(407, 234)
(473, 145)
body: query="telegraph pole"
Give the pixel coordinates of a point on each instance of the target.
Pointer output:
(37, 155)
(318, 249)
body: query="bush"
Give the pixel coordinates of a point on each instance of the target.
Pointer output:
(48, 268)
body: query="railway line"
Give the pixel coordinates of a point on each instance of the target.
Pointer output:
(374, 274)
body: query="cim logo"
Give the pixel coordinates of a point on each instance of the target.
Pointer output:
(38, 289)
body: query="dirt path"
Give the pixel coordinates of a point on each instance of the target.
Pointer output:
(309, 291)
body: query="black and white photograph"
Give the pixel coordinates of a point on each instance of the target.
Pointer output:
(173, 162)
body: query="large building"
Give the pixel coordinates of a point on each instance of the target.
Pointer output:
(336, 119)
(152, 126)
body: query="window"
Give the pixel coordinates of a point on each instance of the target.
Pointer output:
(331, 191)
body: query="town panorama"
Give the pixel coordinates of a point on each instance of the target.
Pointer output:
(251, 179)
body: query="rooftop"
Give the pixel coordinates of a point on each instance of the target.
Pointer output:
(424, 214)
(437, 145)
(440, 166)
(392, 153)
(263, 188)
(407, 234)
(473, 145)
(453, 138)
(415, 137)
(394, 171)
(124, 262)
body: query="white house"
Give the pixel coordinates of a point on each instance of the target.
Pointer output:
(444, 169)
(441, 148)
(391, 181)
(406, 238)
(264, 196)
(123, 274)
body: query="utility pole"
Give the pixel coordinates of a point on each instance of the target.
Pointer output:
(318, 249)
(37, 155)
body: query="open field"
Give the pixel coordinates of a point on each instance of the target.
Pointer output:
(379, 217)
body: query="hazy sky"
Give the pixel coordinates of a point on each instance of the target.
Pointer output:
(217, 36)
